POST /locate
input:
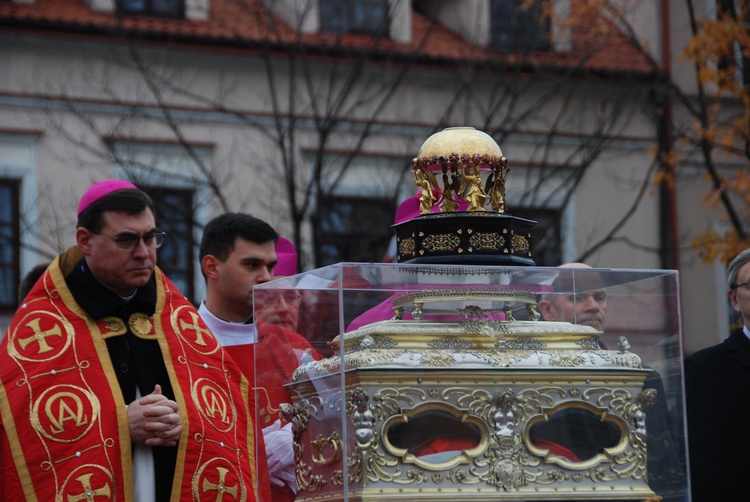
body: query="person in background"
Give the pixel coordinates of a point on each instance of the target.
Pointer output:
(717, 384)
(238, 252)
(584, 301)
(587, 307)
(28, 280)
(282, 307)
(95, 397)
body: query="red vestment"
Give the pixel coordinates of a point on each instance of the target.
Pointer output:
(64, 428)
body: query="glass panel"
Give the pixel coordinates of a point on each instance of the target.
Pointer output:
(575, 434)
(405, 361)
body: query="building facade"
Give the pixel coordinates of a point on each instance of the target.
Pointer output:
(307, 113)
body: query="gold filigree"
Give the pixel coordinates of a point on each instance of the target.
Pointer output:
(407, 247)
(437, 359)
(441, 242)
(487, 241)
(451, 343)
(566, 359)
(519, 243)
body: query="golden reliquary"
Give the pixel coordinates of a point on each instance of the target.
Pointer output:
(454, 388)
(454, 399)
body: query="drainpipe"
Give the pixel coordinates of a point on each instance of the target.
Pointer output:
(669, 250)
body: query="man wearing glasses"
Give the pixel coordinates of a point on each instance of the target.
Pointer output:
(717, 393)
(110, 384)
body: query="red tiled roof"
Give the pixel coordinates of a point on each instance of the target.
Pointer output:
(597, 45)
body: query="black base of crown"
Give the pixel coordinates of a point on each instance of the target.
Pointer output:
(469, 237)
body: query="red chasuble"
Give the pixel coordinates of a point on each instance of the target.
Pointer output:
(65, 433)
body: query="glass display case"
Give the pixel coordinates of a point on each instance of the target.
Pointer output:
(444, 382)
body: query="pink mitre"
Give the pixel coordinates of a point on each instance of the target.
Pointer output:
(286, 257)
(101, 188)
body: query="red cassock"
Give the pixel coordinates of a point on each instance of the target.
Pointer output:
(269, 364)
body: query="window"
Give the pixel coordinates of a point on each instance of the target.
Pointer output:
(368, 17)
(9, 243)
(174, 215)
(520, 25)
(354, 229)
(158, 8)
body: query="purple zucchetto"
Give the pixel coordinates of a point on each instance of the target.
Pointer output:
(100, 189)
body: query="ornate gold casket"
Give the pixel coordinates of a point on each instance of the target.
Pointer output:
(463, 401)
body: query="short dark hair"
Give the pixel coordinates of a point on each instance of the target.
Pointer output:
(29, 280)
(221, 232)
(122, 201)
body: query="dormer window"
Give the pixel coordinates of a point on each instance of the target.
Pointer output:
(520, 25)
(155, 8)
(368, 17)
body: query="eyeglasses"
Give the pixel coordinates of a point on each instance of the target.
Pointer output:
(289, 297)
(127, 241)
(745, 285)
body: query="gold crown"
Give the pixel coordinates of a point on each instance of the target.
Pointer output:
(461, 153)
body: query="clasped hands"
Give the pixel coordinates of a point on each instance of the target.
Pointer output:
(154, 420)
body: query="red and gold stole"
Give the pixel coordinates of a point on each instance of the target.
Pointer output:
(65, 418)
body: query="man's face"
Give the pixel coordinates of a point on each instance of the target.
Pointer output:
(279, 307)
(588, 308)
(247, 265)
(122, 271)
(740, 297)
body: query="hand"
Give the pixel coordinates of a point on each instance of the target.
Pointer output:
(280, 454)
(154, 420)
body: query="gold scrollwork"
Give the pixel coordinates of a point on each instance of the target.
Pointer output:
(487, 241)
(320, 445)
(441, 242)
(519, 243)
(387, 401)
(407, 247)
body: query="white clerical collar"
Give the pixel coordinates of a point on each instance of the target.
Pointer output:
(228, 333)
(747, 331)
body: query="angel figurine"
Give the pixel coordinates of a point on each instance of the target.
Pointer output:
(426, 197)
(471, 188)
